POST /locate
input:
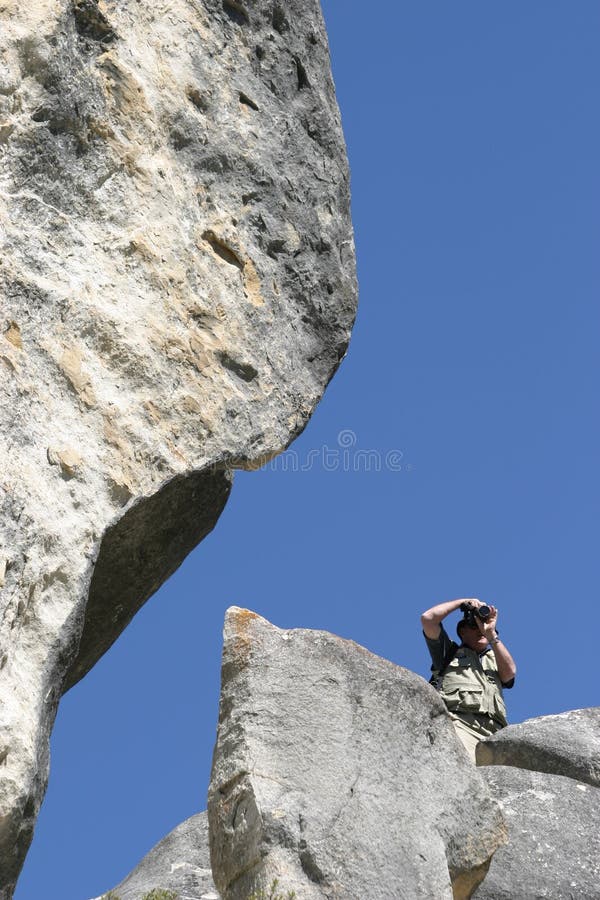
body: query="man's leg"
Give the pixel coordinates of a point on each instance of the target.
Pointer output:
(468, 736)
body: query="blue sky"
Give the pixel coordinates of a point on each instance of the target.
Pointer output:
(471, 379)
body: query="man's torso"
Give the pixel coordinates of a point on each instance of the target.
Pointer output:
(470, 683)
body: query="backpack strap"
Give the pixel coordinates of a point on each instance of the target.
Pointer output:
(436, 680)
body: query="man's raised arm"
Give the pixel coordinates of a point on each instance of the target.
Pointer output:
(506, 664)
(431, 618)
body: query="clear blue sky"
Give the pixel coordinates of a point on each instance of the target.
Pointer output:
(473, 136)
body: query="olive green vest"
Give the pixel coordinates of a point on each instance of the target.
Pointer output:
(471, 684)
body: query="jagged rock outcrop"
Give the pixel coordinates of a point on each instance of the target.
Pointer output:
(553, 852)
(180, 863)
(178, 286)
(563, 744)
(339, 774)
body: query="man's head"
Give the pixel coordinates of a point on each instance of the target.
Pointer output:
(471, 636)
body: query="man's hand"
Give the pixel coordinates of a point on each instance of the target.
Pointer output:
(488, 626)
(506, 664)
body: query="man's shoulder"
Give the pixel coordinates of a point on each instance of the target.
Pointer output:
(440, 648)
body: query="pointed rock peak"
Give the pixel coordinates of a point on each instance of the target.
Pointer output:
(338, 773)
(239, 635)
(237, 619)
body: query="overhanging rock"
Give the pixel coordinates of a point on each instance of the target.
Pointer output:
(178, 287)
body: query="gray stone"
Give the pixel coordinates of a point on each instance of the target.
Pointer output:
(553, 851)
(339, 774)
(179, 863)
(564, 744)
(178, 287)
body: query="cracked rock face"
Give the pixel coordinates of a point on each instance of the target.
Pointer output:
(339, 774)
(178, 286)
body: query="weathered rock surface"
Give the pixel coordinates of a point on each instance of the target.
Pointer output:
(564, 744)
(340, 774)
(553, 852)
(180, 863)
(178, 286)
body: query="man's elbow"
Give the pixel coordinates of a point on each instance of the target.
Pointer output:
(510, 674)
(431, 625)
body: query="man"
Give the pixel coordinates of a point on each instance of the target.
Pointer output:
(470, 677)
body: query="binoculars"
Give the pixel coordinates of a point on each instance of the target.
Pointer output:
(470, 613)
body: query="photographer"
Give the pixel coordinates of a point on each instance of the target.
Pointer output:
(470, 677)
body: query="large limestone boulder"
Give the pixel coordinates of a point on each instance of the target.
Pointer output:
(564, 744)
(553, 852)
(178, 287)
(178, 864)
(340, 775)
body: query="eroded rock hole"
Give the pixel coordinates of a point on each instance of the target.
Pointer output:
(222, 250)
(179, 141)
(195, 97)
(245, 371)
(247, 101)
(303, 81)
(236, 12)
(275, 247)
(91, 23)
(43, 114)
(280, 23)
